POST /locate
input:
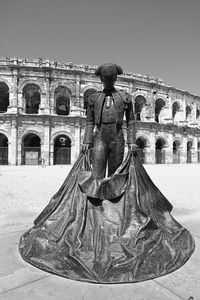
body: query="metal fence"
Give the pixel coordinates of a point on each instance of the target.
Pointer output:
(62, 155)
(3, 155)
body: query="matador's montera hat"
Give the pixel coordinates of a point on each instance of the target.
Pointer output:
(108, 70)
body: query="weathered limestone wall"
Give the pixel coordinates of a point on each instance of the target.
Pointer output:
(147, 94)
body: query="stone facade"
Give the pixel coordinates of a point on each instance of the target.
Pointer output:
(42, 113)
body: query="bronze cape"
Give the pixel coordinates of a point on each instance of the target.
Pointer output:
(112, 230)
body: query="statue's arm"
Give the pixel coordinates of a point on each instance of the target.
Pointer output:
(130, 121)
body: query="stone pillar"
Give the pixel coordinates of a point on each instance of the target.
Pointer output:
(183, 151)
(169, 150)
(51, 153)
(21, 103)
(151, 149)
(13, 95)
(19, 154)
(75, 147)
(12, 157)
(52, 104)
(147, 155)
(46, 146)
(75, 109)
(47, 110)
(42, 106)
(194, 150)
(150, 108)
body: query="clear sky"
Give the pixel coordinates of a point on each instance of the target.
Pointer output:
(156, 37)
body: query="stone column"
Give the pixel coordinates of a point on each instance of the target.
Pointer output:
(183, 151)
(169, 150)
(150, 108)
(46, 145)
(75, 109)
(42, 104)
(194, 150)
(47, 110)
(19, 154)
(75, 147)
(51, 153)
(151, 149)
(13, 94)
(12, 156)
(147, 155)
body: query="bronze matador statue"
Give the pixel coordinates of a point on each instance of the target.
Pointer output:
(106, 110)
(107, 229)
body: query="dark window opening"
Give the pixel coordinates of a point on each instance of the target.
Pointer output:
(32, 98)
(4, 97)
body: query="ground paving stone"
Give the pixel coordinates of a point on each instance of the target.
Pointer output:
(24, 192)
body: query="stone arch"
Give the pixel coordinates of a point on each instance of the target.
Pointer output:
(159, 105)
(139, 102)
(27, 82)
(10, 86)
(177, 143)
(160, 144)
(31, 149)
(61, 148)
(32, 98)
(27, 132)
(175, 109)
(63, 83)
(4, 97)
(189, 150)
(4, 132)
(63, 132)
(3, 149)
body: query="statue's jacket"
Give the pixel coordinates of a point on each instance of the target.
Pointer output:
(122, 105)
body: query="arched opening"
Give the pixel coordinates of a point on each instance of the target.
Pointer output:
(159, 104)
(175, 109)
(31, 150)
(159, 151)
(189, 152)
(62, 150)
(3, 149)
(86, 96)
(140, 102)
(141, 143)
(62, 100)
(198, 151)
(176, 152)
(31, 94)
(188, 113)
(4, 97)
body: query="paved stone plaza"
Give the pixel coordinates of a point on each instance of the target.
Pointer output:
(24, 192)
